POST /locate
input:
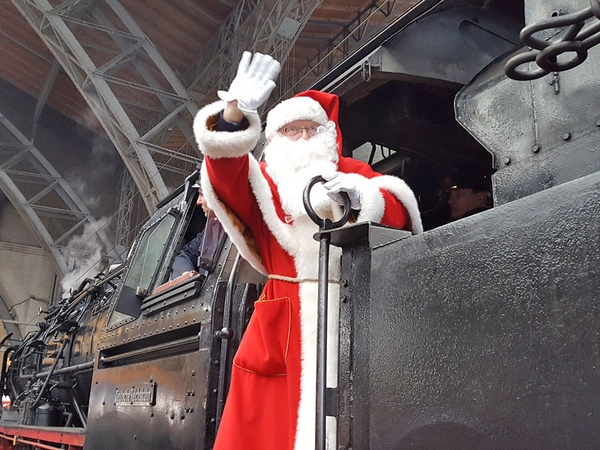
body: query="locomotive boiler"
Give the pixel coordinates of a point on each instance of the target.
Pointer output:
(480, 333)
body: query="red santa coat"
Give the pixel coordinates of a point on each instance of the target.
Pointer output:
(271, 402)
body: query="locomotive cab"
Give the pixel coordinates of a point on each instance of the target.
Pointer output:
(164, 357)
(398, 102)
(133, 358)
(153, 251)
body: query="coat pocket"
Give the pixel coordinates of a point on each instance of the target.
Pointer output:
(264, 347)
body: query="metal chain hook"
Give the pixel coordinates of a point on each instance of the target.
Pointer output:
(575, 39)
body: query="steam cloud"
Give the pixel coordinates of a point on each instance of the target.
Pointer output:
(84, 256)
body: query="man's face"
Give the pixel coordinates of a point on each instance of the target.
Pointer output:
(201, 201)
(293, 160)
(300, 129)
(463, 200)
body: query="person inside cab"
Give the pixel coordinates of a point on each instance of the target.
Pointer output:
(470, 193)
(198, 254)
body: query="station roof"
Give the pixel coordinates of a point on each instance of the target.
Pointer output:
(180, 30)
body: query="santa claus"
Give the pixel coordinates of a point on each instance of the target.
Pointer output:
(271, 401)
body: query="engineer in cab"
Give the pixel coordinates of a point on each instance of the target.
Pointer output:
(470, 193)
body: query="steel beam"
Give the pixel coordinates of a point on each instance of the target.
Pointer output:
(45, 201)
(127, 84)
(266, 26)
(43, 97)
(7, 319)
(122, 233)
(76, 62)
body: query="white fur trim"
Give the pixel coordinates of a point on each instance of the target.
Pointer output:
(298, 241)
(399, 189)
(233, 233)
(305, 258)
(295, 108)
(225, 144)
(305, 429)
(262, 191)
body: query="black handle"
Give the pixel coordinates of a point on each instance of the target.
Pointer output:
(324, 224)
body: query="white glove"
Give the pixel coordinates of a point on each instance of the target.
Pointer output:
(340, 182)
(253, 82)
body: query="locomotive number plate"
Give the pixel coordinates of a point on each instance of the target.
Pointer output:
(135, 395)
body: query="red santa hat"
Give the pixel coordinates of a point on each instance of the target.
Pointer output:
(320, 107)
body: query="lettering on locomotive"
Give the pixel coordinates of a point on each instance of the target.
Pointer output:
(144, 395)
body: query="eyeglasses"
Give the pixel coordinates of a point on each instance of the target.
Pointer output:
(293, 132)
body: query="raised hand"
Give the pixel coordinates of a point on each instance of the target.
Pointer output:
(253, 82)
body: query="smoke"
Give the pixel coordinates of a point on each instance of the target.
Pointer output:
(97, 177)
(91, 201)
(94, 175)
(90, 121)
(84, 256)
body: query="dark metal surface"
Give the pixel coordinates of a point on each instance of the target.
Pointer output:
(481, 334)
(174, 421)
(172, 350)
(321, 435)
(474, 34)
(356, 278)
(238, 305)
(335, 76)
(172, 297)
(542, 133)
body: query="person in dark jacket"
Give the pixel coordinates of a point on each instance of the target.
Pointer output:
(202, 248)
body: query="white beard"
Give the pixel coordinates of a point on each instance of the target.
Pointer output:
(291, 164)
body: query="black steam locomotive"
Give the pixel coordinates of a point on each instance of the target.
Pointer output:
(481, 333)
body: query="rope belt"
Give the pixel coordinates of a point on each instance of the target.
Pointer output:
(297, 280)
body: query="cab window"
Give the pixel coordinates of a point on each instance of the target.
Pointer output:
(148, 254)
